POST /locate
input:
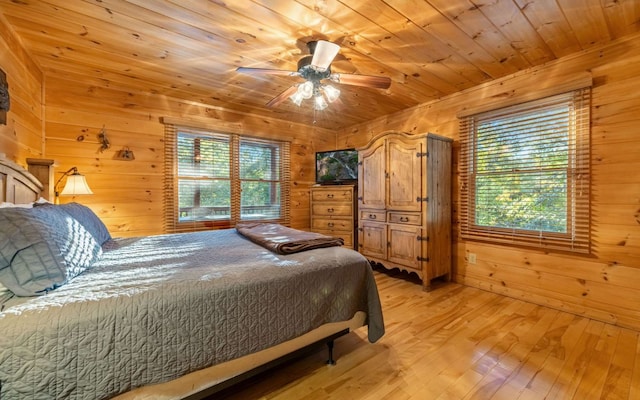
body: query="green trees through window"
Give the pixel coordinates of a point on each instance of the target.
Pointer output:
(260, 180)
(521, 179)
(525, 173)
(208, 185)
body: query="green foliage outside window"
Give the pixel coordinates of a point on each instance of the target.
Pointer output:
(521, 171)
(205, 182)
(525, 174)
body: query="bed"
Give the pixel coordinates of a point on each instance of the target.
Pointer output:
(167, 316)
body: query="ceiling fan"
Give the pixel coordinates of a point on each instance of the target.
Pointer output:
(316, 68)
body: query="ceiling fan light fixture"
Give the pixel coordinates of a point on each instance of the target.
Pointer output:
(331, 93)
(314, 69)
(297, 98)
(320, 103)
(306, 90)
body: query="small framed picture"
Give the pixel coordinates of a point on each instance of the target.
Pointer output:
(4, 98)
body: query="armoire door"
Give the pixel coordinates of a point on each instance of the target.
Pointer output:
(371, 178)
(404, 246)
(372, 239)
(405, 159)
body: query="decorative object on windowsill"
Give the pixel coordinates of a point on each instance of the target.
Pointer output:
(125, 154)
(75, 185)
(5, 102)
(313, 69)
(104, 141)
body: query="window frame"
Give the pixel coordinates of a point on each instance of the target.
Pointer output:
(172, 223)
(577, 236)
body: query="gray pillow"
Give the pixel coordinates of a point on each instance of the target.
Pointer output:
(87, 218)
(42, 248)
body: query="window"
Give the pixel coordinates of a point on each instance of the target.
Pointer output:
(525, 174)
(217, 180)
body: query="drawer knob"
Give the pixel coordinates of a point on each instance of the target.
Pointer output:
(330, 210)
(330, 224)
(372, 216)
(404, 219)
(330, 196)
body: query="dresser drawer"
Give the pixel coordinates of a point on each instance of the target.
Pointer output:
(372, 215)
(332, 224)
(405, 218)
(332, 195)
(327, 209)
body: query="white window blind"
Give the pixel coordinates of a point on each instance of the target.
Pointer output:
(204, 177)
(214, 180)
(525, 173)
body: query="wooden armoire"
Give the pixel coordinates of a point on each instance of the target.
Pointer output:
(404, 203)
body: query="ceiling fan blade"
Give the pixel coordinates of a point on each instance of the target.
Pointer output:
(378, 82)
(282, 96)
(324, 54)
(266, 71)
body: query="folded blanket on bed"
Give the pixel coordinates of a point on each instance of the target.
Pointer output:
(283, 240)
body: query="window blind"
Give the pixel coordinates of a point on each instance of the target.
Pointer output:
(525, 173)
(214, 180)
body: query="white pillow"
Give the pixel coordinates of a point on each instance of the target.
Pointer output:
(5, 204)
(41, 200)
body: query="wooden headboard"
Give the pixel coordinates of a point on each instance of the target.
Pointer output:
(17, 185)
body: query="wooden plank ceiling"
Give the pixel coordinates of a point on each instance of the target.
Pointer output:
(190, 49)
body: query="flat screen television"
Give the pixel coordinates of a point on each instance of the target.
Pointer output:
(337, 167)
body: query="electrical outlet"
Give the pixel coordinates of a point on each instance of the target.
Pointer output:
(472, 258)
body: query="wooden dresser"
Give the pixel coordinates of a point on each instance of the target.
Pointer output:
(404, 202)
(333, 212)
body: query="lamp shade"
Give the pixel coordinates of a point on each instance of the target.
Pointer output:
(76, 185)
(306, 90)
(320, 102)
(331, 93)
(297, 98)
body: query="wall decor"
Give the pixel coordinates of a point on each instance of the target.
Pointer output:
(126, 154)
(104, 141)
(5, 103)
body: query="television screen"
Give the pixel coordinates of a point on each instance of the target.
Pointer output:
(338, 166)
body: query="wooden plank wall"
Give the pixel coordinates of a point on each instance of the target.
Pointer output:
(129, 194)
(606, 284)
(23, 136)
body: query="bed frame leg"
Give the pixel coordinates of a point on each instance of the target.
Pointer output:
(330, 361)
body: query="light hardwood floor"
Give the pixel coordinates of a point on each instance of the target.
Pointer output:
(457, 342)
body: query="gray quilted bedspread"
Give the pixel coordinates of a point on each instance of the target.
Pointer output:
(155, 308)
